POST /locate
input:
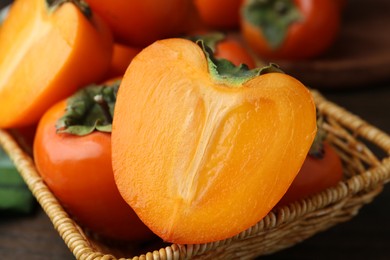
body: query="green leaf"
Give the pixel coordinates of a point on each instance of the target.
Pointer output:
(273, 17)
(14, 193)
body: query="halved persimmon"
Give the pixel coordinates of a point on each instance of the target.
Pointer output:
(48, 49)
(203, 150)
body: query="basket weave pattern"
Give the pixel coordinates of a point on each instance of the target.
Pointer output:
(365, 175)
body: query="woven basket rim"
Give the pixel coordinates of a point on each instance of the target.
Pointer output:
(80, 246)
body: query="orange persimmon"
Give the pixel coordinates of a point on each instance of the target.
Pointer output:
(141, 22)
(194, 22)
(321, 169)
(224, 14)
(121, 58)
(232, 50)
(290, 29)
(48, 49)
(72, 151)
(201, 149)
(317, 174)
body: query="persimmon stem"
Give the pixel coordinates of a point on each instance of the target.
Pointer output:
(210, 39)
(223, 71)
(81, 5)
(99, 99)
(317, 148)
(89, 109)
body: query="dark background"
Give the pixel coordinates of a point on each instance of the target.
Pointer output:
(367, 236)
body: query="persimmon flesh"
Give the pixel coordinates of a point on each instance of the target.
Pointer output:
(48, 49)
(202, 157)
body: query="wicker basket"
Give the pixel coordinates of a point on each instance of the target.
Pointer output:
(365, 175)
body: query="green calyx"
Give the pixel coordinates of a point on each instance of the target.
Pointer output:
(88, 110)
(81, 5)
(273, 17)
(317, 147)
(225, 72)
(209, 39)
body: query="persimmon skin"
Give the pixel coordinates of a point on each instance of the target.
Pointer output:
(140, 23)
(222, 14)
(306, 39)
(316, 175)
(342, 4)
(121, 58)
(78, 170)
(46, 56)
(200, 161)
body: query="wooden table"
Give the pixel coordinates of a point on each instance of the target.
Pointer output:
(367, 236)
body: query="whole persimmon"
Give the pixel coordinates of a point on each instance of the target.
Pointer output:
(290, 29)
(72, 152)
(138, 23)
(222, 14)
(317, 174)
(321, 169)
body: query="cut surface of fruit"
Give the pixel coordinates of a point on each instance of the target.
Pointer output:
(46, 53)
(200, 160)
